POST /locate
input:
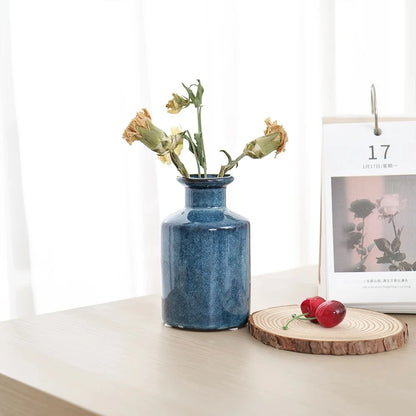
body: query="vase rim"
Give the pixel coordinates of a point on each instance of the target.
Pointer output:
(212, 180)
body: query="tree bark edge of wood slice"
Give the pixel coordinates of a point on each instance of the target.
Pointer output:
(362, 332)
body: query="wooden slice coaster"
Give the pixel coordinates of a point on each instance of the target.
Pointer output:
(361, 332)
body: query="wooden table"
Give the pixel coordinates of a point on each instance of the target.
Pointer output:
(118, 359)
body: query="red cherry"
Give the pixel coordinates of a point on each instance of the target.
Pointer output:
(309, 305)
(330, 313)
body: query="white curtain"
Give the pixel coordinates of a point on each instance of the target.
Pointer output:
(81, 209)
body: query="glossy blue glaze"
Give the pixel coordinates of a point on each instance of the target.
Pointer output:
(205, 260)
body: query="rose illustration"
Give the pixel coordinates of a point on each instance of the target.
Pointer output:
(390, 205)
(355, 232)
(362, 208)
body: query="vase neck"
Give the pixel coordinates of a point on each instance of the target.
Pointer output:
(205, 197)
(206, 192)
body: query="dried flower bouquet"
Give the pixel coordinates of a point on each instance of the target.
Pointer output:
(168, 147)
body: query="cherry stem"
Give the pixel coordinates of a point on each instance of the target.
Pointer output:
(301, 317)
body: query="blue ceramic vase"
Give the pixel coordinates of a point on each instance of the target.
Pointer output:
(205, 260)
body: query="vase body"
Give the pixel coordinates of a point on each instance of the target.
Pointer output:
(205, 260)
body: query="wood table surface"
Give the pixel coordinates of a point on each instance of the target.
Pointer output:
(118, 359)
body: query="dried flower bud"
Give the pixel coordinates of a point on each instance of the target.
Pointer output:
(275, 139)
(176, 145)
(176, 104)
(131, 133)
(142, 129)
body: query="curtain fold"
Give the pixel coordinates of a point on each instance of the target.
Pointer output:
(15, 278)
(81, 209)
(410, 44)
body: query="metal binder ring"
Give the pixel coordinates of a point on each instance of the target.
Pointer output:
(377, 130)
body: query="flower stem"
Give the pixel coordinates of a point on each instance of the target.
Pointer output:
(188, 137)
(200, 142)
(179, 165)
(230, 165)
(394, 226)
(362, 243)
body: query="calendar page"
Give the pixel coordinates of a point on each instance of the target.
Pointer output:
(368, 225)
